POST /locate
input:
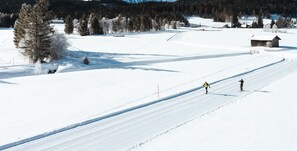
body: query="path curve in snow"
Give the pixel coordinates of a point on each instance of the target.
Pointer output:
(131, 127)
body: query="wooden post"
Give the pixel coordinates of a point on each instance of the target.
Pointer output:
(158, 92)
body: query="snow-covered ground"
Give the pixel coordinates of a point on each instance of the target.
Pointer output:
(248, 20)
(125, 72)
(264, 120)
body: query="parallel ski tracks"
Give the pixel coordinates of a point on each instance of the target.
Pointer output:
(129, 129)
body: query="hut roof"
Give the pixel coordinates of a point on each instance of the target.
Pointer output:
(264, 37)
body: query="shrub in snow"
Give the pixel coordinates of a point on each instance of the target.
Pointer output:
(59, 45)
(38, 68)
(52, 71)
(86, 60)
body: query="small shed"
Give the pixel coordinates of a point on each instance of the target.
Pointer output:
(265, 40)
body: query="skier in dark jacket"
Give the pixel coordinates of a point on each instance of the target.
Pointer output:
(241, 84)
(206, 86)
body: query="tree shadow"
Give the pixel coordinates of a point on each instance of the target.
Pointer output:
(282, 48)
(223, 94)
(262, 91)
(5, 82)
(99, 60)
(73, 61)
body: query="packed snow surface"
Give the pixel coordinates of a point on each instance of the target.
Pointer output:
(264, 120)
(140, 68)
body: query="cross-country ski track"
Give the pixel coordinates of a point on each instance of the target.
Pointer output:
(132, 127)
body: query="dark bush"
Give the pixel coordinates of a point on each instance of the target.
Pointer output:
(86, 60)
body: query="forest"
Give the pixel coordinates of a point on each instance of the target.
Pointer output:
(219, 10)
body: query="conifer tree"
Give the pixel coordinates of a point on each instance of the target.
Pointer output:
(115, 25)
(235, 23)
(94, 25)
(39, 33)
(21, 25)
(96, 28)
(260, 22)
(130, 25)
(146, 24)
(272, 23)
(68, 25)
(90, 19)
(33, 32)
(83, 26)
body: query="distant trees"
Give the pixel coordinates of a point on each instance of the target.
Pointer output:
(219, 10)
(35, 36)
(96, 27)
(83, 26)
(281, 22)
(259, 23)
(68, 25)
(272, 23)
(146, 24)
(235, 22)
(92, 25)
(274, 28)
(7, 20)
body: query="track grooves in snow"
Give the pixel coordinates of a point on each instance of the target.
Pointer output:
(130, 127)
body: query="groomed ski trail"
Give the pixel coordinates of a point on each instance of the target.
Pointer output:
(132, 127)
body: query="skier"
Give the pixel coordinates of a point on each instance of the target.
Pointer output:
(241, 84)
(206, 86)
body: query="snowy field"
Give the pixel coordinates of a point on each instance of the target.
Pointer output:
(144, 67)
(264, 120)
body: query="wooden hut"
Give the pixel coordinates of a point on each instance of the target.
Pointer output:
(265, 40)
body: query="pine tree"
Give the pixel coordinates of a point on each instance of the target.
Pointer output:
(68, 25)
(83, 26)
(94, 25)
(96, 28)
(21, 25)
(146, 24)
(90, 19)
(137, 23)
(105, 25)
(115, 25)
(39, 34)
(272, 23)
(235, 23)
(260, 22)
(130, 25)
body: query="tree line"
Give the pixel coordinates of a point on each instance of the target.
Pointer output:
(93, 24)
(219, 10)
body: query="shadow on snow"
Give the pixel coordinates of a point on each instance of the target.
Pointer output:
(73, 61)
